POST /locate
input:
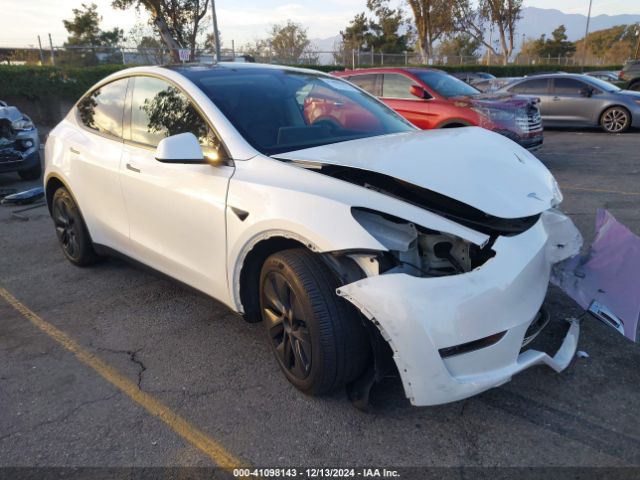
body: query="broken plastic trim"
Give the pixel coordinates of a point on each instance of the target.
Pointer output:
(471, 346)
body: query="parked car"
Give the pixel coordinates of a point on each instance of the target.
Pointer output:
(299, 200)
(473, 77)
(19, 144)
(431, 98)
(493, 84)
(630, 75)
(581, 101)
(610, 76)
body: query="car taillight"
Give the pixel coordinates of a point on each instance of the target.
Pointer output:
(621, 75)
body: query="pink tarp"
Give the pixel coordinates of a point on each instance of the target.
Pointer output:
(608, 274)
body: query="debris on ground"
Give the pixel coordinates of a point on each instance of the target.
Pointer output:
(605, 280)
(25, 197)
(582, 354)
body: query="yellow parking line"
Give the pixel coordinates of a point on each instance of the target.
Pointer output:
(598, 190)
(213, 449)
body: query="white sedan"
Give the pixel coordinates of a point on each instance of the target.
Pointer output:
(303, 202)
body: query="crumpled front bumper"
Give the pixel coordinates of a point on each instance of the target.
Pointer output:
(419, 316)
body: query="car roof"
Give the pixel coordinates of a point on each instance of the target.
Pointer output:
(226, 66)
(390, 69)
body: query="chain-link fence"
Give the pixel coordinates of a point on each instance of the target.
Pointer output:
(79, 56)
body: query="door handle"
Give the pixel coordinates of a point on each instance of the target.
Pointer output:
(132, 168)
(74, 151)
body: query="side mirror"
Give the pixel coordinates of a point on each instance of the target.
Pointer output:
(418, 91)
(181, 148)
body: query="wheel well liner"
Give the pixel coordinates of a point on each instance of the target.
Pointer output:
(53, 184)
(250, 272)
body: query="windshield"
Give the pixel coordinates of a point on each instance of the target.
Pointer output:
(602, 85)
(445, 85)
(279, 111)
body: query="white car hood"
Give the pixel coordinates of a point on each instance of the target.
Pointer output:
(477, 167)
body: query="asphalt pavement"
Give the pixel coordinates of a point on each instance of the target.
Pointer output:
(99, 366)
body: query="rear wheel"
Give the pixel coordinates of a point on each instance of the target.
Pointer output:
(635, 87)
(71, 230)
(317, 337)
(615, 120)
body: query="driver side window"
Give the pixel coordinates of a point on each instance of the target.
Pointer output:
(159, 110)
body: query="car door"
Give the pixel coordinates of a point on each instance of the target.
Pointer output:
(93, 154)
(176, 211)
(539, 88)
(396, 93)
(570, 105)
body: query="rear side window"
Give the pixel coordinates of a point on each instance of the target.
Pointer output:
(102, 109)
(568, 86)
(397, 86)
(365, 82)
(159, 110)
(537, 85)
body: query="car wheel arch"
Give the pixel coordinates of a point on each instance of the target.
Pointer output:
(53, 184)
(246, 275)
(457, 123)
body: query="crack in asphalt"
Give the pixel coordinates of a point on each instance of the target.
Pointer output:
(65, 416)
(133, 356)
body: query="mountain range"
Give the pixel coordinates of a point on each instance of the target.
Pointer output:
(535, 22)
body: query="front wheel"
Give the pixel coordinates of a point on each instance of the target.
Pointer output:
(71, 230)
(317, 337)
(615, 120)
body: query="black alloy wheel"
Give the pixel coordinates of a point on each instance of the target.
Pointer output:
(286, 327)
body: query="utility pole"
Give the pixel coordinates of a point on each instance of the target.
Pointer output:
(586, 34)
(41, 52)
(53, 57)
(216, 35)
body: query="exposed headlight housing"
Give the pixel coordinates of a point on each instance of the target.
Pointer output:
(415, 250)
(23, 124)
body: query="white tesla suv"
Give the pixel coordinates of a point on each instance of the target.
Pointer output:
(303, 202)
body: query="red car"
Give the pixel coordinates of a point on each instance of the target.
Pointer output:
(431, 98)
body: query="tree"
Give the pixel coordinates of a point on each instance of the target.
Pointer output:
(84, 29)
(613, 45)
(433, 18)
(500, 15)
(385, 29)
(289, 41)
(461, 45)
(557, 46)
(177, 21)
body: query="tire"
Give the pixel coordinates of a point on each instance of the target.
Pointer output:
(33, 173)
(317, 337)
(615, 120)
(71, 230)
(635, 87)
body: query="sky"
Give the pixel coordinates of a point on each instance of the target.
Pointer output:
(240, 20)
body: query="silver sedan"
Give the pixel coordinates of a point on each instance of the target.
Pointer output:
(580, 101)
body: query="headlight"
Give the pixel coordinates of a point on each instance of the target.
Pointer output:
(495, 114)
(415, 250)
(24, 123)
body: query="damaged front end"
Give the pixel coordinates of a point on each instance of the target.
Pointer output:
(456, 315)
(19, 143)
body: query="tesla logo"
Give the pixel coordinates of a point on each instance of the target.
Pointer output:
(534, 195)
